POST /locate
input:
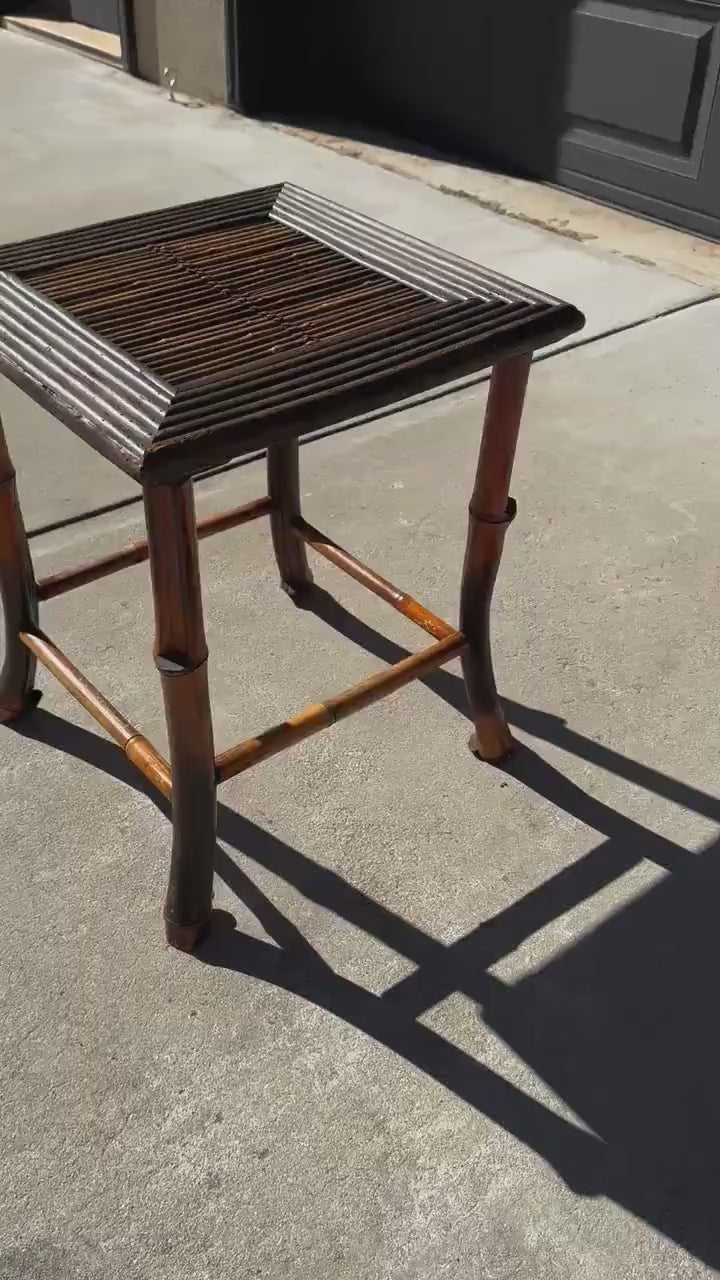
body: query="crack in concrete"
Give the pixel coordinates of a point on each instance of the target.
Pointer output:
(545, 224)
(427, 397)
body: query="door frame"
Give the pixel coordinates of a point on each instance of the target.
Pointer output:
(128, 43)
(233, 86)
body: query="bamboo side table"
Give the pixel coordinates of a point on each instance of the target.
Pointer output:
(177, 340)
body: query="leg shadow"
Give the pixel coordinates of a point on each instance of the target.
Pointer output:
(620, 1023)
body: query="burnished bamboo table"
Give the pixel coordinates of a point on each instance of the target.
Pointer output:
(178, 340)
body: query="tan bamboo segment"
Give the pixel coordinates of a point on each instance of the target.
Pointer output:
(137, 748)
(379, 586)
(321, 715)
(137, 552)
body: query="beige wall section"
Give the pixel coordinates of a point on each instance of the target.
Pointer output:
(188, 37)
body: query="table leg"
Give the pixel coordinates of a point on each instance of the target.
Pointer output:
(491, 511)
(181, 658)
(284, 491)
(17, 594)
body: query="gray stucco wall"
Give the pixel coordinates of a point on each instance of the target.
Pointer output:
(189, 38)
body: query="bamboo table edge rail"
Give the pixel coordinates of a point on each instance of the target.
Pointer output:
(251, 751)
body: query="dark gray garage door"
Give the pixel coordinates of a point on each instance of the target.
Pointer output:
(619, 101)
(643, 108)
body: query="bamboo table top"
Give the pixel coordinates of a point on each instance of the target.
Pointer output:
(177, 340)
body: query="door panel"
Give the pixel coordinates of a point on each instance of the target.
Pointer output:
(642, 107)
(609, 44)
(102, 14)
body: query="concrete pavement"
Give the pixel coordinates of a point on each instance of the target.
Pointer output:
(464, 1024)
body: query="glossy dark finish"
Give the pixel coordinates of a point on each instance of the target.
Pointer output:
(491, 510)
(181, 658)
(176, 340)
(284, 490)
(18, 598)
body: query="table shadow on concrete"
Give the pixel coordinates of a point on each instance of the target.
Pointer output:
(621, 1024)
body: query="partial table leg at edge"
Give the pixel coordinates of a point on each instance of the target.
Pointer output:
(18, 595)
(491, 511)
(283, 471)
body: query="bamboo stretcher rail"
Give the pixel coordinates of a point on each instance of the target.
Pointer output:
(137, 552)
(449, 644)
(367, 577)
(321, 715)
(136, 746)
